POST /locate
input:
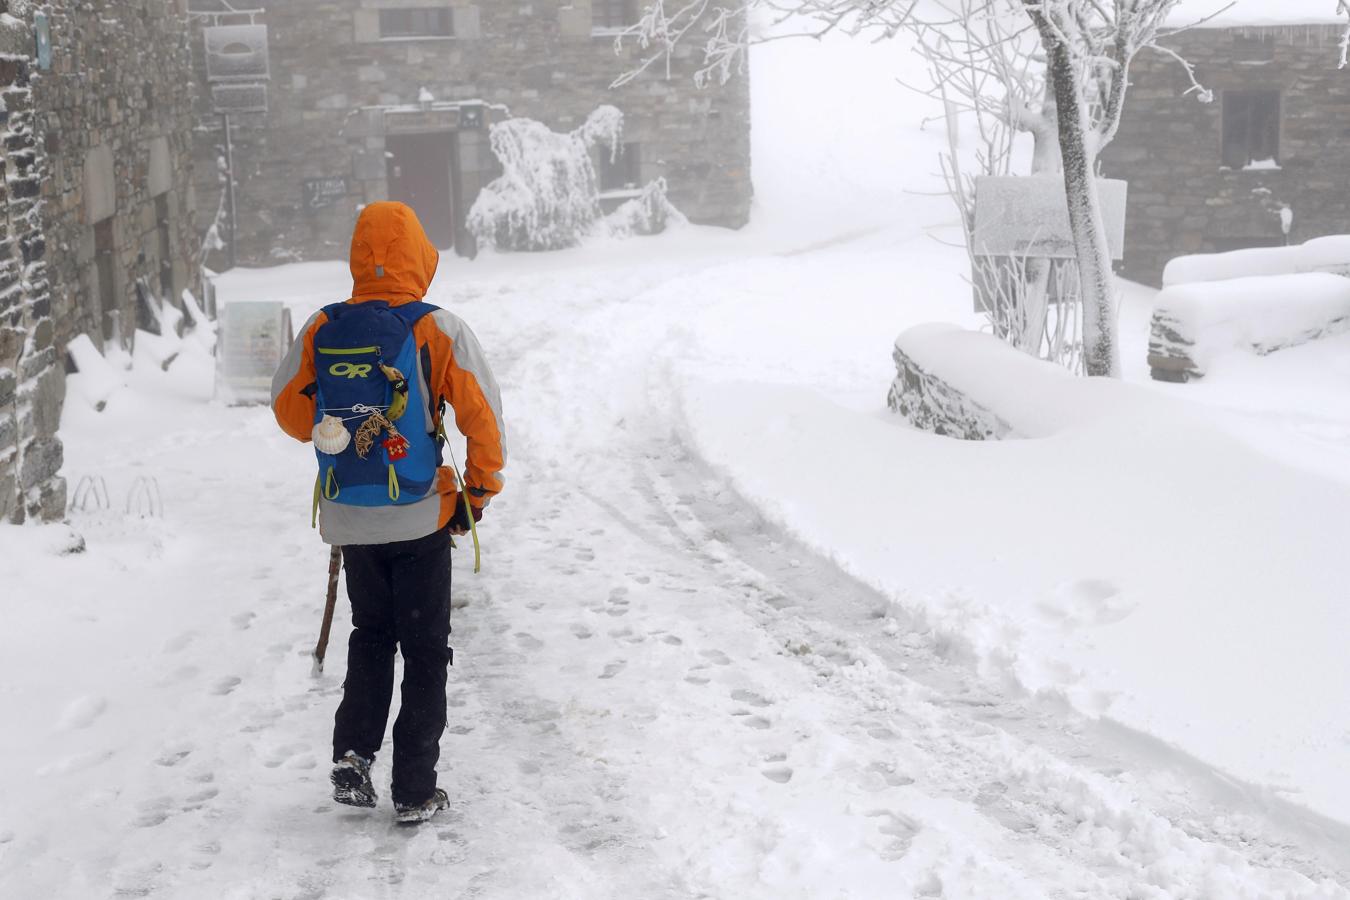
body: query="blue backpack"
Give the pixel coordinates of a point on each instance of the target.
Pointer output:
(371, 434)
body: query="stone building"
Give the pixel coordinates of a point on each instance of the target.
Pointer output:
(115, 117)
(392, 99)
(1265, 163)
(98, 207)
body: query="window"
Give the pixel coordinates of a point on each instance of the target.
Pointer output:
(417, 22)
(622, 171)
(1251, 129)
(612, 15)
(1254, 48)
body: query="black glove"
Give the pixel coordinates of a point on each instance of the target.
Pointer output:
(459, 522)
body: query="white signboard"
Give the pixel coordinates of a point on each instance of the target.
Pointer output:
(1028, 216)
(251, 340)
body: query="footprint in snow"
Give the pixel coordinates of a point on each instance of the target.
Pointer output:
(695, 678)
(750, 698)
(292, 756)
(881, 775)
(243, 621)
(901, 830)
(779, 774)
(614, 668)
(672, 640)
(226, 686)
(152, 812)
(201, 798)
(174, 754)
(82, 712)
(758, 723)
(581, 632)
(528, 641)
(585, 555)
(717, 657)
(180, 643)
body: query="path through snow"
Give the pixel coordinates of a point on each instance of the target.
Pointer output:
(656, 694)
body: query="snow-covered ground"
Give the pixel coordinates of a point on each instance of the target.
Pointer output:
(740, 633)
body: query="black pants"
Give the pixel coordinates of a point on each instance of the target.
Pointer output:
(400, 594)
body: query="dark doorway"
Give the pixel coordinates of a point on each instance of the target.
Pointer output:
(105, 249)
(419, 169)
(165, 233)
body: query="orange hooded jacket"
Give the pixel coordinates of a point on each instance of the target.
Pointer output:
(392, 259)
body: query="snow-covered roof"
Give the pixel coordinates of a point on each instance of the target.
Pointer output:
(1252, 13)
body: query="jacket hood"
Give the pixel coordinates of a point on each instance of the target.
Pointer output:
(391, 258)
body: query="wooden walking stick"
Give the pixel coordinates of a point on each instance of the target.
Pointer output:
(334, 566)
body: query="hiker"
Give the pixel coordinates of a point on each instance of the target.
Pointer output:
(368, 380)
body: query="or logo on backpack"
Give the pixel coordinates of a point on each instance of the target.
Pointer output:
(349, 370)
(362, 349)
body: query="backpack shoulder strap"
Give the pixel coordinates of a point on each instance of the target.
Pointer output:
(334, 310)
(412, 312)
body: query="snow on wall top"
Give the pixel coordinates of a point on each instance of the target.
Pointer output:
(1324, 254)
(1255, 13)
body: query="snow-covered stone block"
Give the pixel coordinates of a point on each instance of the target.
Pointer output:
(930, 402)
(972, 385)
(1194, 323)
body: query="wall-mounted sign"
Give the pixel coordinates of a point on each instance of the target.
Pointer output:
(321, 193)
(42, 36)
(1027, 215)
(239, 98)
(471, 116)
(236, 52)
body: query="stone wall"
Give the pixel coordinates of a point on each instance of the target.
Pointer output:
(32, 380)
(933, 404)
(114, 117)
(1182, 199)
(337, 92)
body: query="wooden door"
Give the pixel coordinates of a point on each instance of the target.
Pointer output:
(419, 171)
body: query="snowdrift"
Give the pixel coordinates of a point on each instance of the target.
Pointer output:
(1131, 553)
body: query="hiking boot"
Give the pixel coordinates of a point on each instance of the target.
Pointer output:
(351, 781)
(413, 814)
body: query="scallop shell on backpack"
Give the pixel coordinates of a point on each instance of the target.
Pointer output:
(331, 436)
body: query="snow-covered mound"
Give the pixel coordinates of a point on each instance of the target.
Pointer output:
(1195, 323)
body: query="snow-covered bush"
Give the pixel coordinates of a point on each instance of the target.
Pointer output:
(651, 212)
(1194, 323)
(547, 197)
